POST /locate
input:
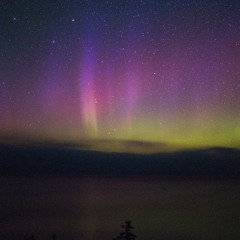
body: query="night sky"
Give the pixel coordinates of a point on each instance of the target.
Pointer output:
(103, 73)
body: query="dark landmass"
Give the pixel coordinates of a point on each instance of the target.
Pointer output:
(59, 160)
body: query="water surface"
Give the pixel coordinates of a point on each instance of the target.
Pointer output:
(95, 207)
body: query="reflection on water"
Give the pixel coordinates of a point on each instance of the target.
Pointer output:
(94, 208)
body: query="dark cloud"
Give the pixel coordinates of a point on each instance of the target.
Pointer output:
(67, 159)
(144, 144)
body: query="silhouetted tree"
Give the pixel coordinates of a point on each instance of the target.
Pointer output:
(54, 237)
(126, 233)
(31, 237)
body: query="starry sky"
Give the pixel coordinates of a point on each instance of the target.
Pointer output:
(157, 74)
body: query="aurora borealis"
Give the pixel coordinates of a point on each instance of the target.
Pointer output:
(95, 72)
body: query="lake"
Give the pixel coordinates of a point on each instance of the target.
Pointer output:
(93, 208)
